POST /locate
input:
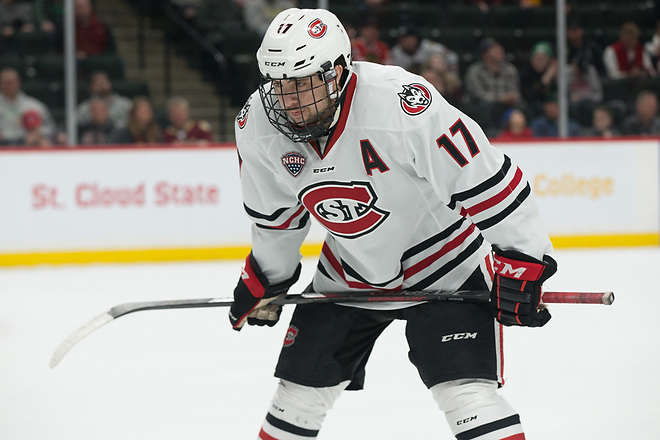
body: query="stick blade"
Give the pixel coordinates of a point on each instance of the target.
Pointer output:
(77, 336)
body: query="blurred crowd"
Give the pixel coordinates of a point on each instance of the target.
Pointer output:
(104, 117)
(511, 98)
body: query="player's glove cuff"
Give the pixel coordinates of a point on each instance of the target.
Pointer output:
(252, 295)
(516, 293)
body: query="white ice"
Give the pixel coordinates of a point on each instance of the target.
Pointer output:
(592, 373)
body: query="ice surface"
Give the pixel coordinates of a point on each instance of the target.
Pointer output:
(592, 373)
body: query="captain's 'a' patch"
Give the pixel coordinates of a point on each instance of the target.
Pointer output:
(415, 98)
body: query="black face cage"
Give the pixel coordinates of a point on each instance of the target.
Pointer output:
(311, 127)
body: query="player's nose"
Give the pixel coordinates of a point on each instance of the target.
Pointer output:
(290, 99)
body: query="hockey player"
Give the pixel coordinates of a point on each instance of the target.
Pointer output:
(413, 196)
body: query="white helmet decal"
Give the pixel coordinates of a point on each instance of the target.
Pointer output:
(317, 28)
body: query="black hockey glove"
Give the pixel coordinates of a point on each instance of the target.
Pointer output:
(252, 295)
(516, 293)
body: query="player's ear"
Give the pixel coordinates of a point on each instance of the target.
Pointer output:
(339, 69)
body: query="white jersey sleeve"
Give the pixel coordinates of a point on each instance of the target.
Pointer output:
(280, 222)
(469, 174)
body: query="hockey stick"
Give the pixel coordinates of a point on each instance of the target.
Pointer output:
(306, 298)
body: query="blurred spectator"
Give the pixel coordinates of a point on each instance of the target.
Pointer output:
(515, 126)
(14, 103)
(652, 47)
(100, 128)
(585, 89)
(15, 16)
(411, 52)
(447, 83)
(547, 125)
(626, 58)
(602, 124)
(44, 18)
(183, 129)
(34, 135)
(118, 106)
(492, 84)
(368, 46)
(188, 9)
(219, 16)
(645, 120)
(484, 5)
(142, 126)
(93, 37)
(257, 14)
(580, 46)
(539, 77)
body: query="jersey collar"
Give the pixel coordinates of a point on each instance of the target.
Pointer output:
(338, 129)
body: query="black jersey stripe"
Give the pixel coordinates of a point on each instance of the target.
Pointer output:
(301, 224)
(321, 268)
(489, 427)
(268, 217)
(483, 186)
(421, 247)
(290, 428)
(450, 265)
(348, 270)
(492, 221)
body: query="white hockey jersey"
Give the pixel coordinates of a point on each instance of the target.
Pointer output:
(410, 190)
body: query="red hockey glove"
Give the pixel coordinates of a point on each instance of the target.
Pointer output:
(252, 295)
(516, 294)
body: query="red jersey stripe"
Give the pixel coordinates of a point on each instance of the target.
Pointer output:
(263, 435)
(426, 262)
(479, 207)
(288, 222)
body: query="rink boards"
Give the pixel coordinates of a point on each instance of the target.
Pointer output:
(155, 204)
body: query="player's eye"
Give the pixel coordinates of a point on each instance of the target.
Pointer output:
(302, 85)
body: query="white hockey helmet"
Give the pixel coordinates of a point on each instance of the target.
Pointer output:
(303, 43)
(299, 42)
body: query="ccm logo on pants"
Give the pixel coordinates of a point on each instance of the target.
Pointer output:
(459, 336)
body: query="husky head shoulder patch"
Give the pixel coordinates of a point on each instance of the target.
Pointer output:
(415, 98)
(294, 163)
(241, 118)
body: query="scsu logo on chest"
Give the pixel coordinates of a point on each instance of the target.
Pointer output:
(346, 209)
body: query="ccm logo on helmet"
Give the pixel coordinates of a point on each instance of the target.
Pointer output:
(317, 28)
(274, 63)
(346, 209)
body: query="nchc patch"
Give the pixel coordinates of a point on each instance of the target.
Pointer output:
(415, 98)
(242, 116)
(294, 163)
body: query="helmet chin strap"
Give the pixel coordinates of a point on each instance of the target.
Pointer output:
(319, 128)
